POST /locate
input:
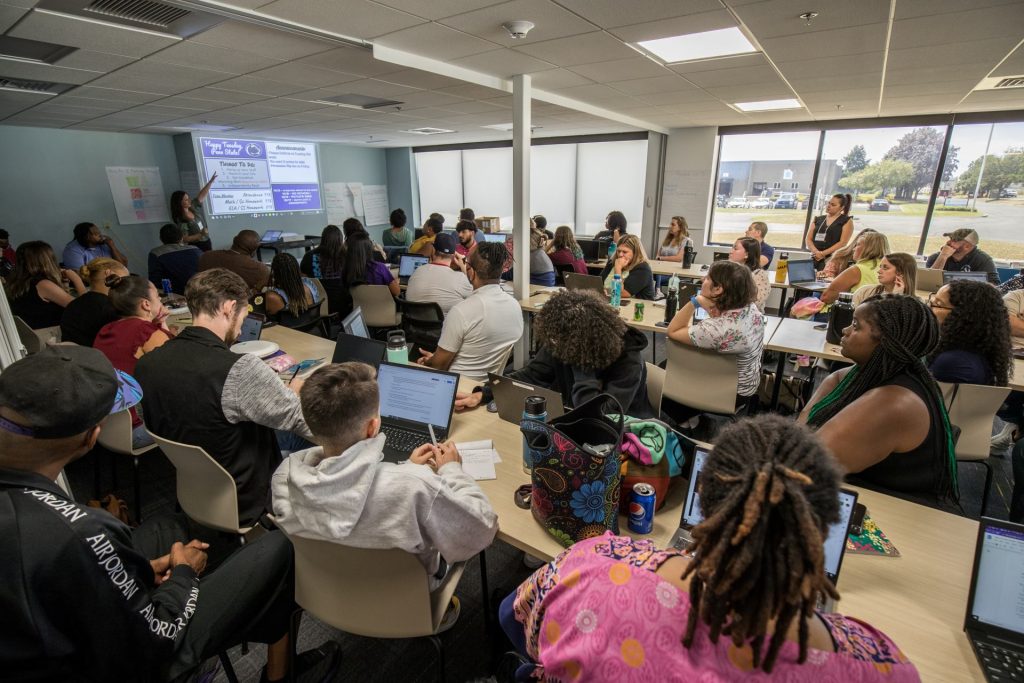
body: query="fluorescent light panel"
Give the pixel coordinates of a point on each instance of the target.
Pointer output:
(705, 45)
(768, 105)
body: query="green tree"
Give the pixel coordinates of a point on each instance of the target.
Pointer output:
(880, 177)
(1001, 171)
(855, 161)
(921, 148)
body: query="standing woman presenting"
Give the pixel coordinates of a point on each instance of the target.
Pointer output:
(831, 231)
(187, 214)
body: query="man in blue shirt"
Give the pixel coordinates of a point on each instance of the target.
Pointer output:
(173, 260)
(87, 245)
(757, 230)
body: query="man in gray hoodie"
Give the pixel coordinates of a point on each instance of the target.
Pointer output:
(342, 491)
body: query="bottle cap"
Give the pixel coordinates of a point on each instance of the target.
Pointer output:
(535, 405)
(846, 297)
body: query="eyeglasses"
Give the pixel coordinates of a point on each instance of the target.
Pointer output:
(933, 303)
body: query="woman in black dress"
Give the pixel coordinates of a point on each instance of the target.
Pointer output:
(188, 214)
(831, 231)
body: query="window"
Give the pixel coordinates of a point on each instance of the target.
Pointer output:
(487, 179)
(610, 177)
(794, 186)
(553, 184)
(440, 183)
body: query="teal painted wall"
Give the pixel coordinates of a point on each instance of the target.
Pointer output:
(403, 191)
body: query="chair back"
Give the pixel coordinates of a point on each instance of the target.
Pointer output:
(499, 365)
(705, 380)
(560, 269)
(379, 307)
(972, 409)
(29, 339)
(422, 322)
(116, 434)
(655, 386)
(206, 491)
(372, 593)
(322, 291)
(1006, 273)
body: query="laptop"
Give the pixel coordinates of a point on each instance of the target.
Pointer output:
(580, 281)
(950, 275)
(722, 256)
(802, 276)
(495, 237)
(929, 279)
(252, 328)
(994, 621)
(393, 254)
(407, 265)
(411, 397)
(510, 397)
(351, 348)
(593, 250)
(271, 236)
(354, 324)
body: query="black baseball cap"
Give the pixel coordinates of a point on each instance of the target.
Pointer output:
(64, 390)
(444, 243)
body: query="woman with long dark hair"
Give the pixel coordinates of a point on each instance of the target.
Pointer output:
(189, 215)
(35, 289)
(830, 231)
(676, 240)
(361, 268)
(564, 250)
(290, 298)
(974, 334)
(747, 250)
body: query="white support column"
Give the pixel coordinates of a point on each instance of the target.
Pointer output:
(521, 95)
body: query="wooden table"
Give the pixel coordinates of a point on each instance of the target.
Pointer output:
(804, 338)
(918, 599)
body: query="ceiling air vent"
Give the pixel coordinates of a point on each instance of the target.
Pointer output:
(37, 87)
(33, 50)
(428, 131)
(140, 14)
(1001, 83)
(354, 101)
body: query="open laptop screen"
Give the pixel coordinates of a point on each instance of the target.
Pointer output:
(998, 590)
(354, 324)
(416, 394)
(252, 326)
(495, 237)
(801, 271)
(977, 276)
(692, 516)
(272, 236)
(835, 542)
(409, 263)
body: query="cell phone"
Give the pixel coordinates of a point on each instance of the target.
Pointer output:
(661, 323)
(492, 407)
(857, 519)
(704, 267)
(823, 326)
(624, 302)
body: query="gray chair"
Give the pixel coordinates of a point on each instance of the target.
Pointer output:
(379, 307)
(704, 380)
(116, 436)
(972, 407)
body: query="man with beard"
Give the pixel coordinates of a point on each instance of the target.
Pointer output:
(197, 391)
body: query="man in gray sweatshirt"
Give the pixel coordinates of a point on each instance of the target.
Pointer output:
(342, 491)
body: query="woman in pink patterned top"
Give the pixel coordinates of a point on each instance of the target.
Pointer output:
(741, 608)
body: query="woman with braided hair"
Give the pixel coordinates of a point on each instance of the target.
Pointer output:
(612, 608)
(890, 395)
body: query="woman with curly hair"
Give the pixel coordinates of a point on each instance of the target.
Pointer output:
(585, 348)
(613, 608)
(974, 334)
(884, 418)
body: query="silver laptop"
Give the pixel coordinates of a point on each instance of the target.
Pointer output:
(803, 276)
(581, 281)
(355, 325)
(976, 275)
(929, 279)
(407, 265)
(994, 622)
(411, 397)
(510, 397)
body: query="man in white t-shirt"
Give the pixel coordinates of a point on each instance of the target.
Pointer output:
(478, 331)
(1015, 307)
(438, 281)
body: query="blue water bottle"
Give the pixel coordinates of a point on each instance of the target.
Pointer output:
(611, 250)
(536, 408)
(616, 298)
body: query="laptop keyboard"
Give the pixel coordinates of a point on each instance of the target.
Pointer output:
(999, 663)
(403, 440)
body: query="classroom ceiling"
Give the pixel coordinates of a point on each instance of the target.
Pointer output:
(260, 70)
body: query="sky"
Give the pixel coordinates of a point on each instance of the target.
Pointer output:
(970, 139)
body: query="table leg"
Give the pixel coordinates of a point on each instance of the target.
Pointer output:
(777, 387)
(782, 300)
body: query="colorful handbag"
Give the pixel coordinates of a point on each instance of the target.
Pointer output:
(575, 464)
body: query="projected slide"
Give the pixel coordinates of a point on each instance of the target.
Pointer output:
(261, 176)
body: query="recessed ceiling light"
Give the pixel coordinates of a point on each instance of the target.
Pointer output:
(428, 131)
(686, 48)
(768, 105)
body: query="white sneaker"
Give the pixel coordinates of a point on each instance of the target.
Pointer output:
(1003, 439)
(451, 615)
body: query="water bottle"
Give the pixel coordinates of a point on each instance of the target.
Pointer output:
(165, 284)
(688, 255)
(398, 352)
(782, 268)
(616, 298)
(840, 317)
(536, 408)
(672, 299)
(611, 250)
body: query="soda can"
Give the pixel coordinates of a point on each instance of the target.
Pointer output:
(165, 284)
(638, 310)
(641, 509)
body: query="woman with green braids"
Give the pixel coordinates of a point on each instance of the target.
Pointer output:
(884, 419)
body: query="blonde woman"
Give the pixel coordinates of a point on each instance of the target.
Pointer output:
(676, 241)
(897, 274)
(868, 252)
(84, 316)
(842, 259)
(631, 264)
(35, 288)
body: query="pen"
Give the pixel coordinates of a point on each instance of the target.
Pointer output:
(298, 366)
(433, 439)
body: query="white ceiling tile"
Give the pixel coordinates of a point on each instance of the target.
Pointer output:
(582, 49)
(88, 35)
(854, 40)
(621, 70)
(678, 26)
(475, 107)
(436, 41)
(352, 60)
(956, 27)
(647, 86)
(836, 68)
(1014, 64)
(158, 108)
(554, 79)
(20, 100)
(15, 68)
(503, 63)
(424, 80)
(169, 79)
(734, 62)
(726, 77)
(127, 97)
(596, 93)
(936, 74)
(997, 99)
(219, 95)
(843, 96)
(375, 87)
(267, 42)
(672, 97)
(868, 79)
(82, 104)
(423, 98)
(353, 18)
(203, 56)
(9, 15)
(957, 88)
(976, 51)
(261, 86)
(551, 21)
(751, 93)
(94, 61)
(304, 74)
(478, 92)
(777, 18)
(909, 9)
(607, 13)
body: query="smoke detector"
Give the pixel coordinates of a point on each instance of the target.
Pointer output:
(518, 29)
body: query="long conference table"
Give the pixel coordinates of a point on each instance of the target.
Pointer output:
(918, 599)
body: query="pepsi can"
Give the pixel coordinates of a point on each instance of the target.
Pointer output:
(641, 509)
(165, 284)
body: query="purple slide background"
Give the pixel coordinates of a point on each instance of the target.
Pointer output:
(296, 197)
(233, 149)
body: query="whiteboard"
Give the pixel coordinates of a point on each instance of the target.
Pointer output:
(138, 194)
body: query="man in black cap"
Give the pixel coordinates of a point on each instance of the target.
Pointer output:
(961, 254)
(81, 599)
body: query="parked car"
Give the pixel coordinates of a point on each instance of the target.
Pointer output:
(786, 200)
(1008, 194)
(879, 204)
(762, 203)
(736, 203)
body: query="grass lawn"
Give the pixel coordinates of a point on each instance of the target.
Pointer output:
(922, 209)
(905, 243)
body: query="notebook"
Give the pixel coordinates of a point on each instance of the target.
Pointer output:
(354, 324)
(351, 348)
(510, 397)
(803, 276)
(411, 397)
(994, 621)
(407, 265)
(271, 236)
